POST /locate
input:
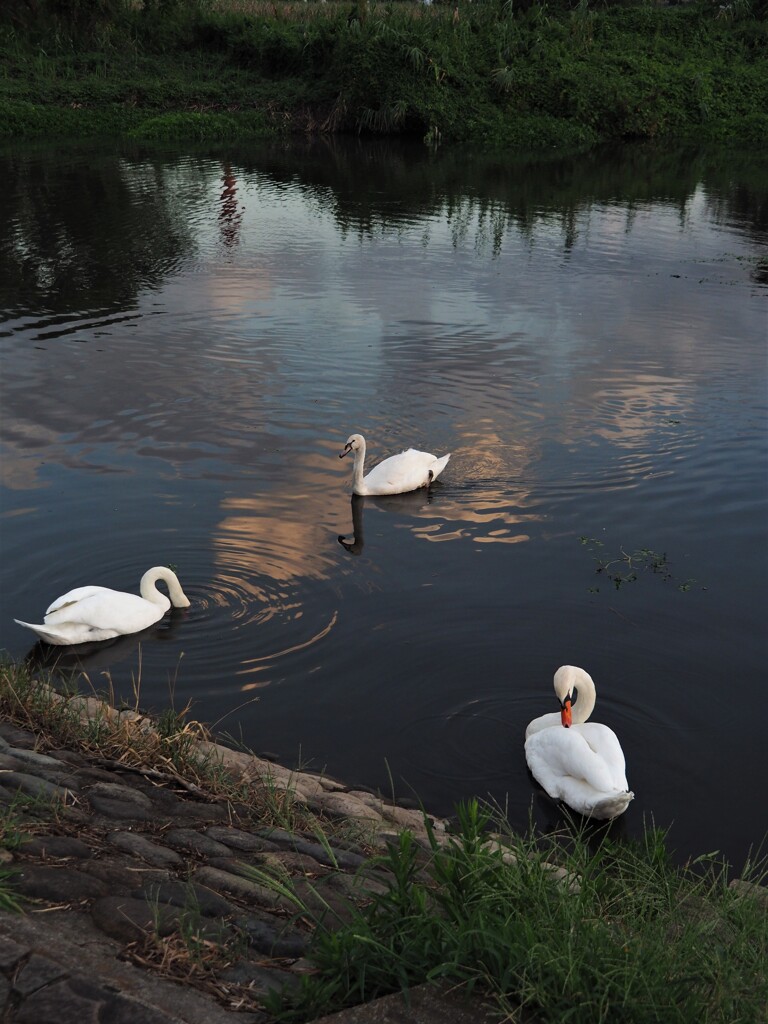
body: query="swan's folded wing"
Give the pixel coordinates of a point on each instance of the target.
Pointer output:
(106, 609)
(73, 596)
(549, 721)
(605, 742)
(400, 473)
(557, 755)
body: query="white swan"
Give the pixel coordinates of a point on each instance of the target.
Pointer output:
(580, 764)
(399, 473)
(98, 613)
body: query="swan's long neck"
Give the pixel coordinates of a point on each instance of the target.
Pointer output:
(357, 470)
(568, 678)
(149, 591)
(585, 704)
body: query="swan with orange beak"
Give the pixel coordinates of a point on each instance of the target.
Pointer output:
(576, 761)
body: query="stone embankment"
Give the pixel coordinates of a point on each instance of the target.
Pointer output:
(145, 900)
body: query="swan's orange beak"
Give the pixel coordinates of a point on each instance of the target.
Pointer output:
(347, 450)
(565, 714)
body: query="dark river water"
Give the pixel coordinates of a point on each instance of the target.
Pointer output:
(187, 341)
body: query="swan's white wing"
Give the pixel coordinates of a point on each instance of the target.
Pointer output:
(97, 613)
(559, 757)
(106, 610)
(548, 721)
(68, 633)
(605, 743)
(399, 473)
(78, 594)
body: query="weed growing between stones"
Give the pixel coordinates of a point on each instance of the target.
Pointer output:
(11, 831)
(197, 952)
(21, 816)
(10, 902)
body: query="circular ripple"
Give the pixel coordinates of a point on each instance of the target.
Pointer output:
(474, 741)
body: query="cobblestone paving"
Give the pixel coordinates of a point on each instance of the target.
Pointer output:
(105, 859)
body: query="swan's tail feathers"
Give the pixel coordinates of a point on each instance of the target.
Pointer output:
(612, 806)
(46, 633)
(438, 466)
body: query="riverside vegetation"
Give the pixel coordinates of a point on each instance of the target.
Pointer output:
(576, 926)
(501, 73)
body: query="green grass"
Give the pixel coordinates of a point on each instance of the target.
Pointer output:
(11, 834)
(17, 817)
(502, 74)
(615, 934)
(10, 901)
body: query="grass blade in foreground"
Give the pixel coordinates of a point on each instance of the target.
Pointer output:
(619, 934)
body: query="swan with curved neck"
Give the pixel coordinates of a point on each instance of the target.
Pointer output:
(398, 474)
(88, 614)
(576, 761)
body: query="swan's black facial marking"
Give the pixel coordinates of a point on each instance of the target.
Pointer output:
(572, 697)
(347, 450)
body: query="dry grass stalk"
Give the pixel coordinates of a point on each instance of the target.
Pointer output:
(193, 963)
(171, 749)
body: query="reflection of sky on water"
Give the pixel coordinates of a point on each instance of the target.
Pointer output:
(309, 332)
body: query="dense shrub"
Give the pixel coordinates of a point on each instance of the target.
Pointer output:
(503, 73)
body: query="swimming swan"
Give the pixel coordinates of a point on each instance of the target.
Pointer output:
(98, 613)
(399, 473)
(580, 764)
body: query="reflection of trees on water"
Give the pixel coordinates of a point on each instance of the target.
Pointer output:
(93, 228)
(372, 187)
(230, 215)
(89, 230)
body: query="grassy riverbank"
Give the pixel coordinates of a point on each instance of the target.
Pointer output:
(571, 927)
(575, 926)
(490, 72)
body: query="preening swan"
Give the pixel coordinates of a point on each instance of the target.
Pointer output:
(399, 473)
(578, 762)
(98, 613)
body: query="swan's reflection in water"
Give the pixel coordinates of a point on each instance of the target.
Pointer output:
(356, 545)
(65, 665)
(477, 514)
(411, 504)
